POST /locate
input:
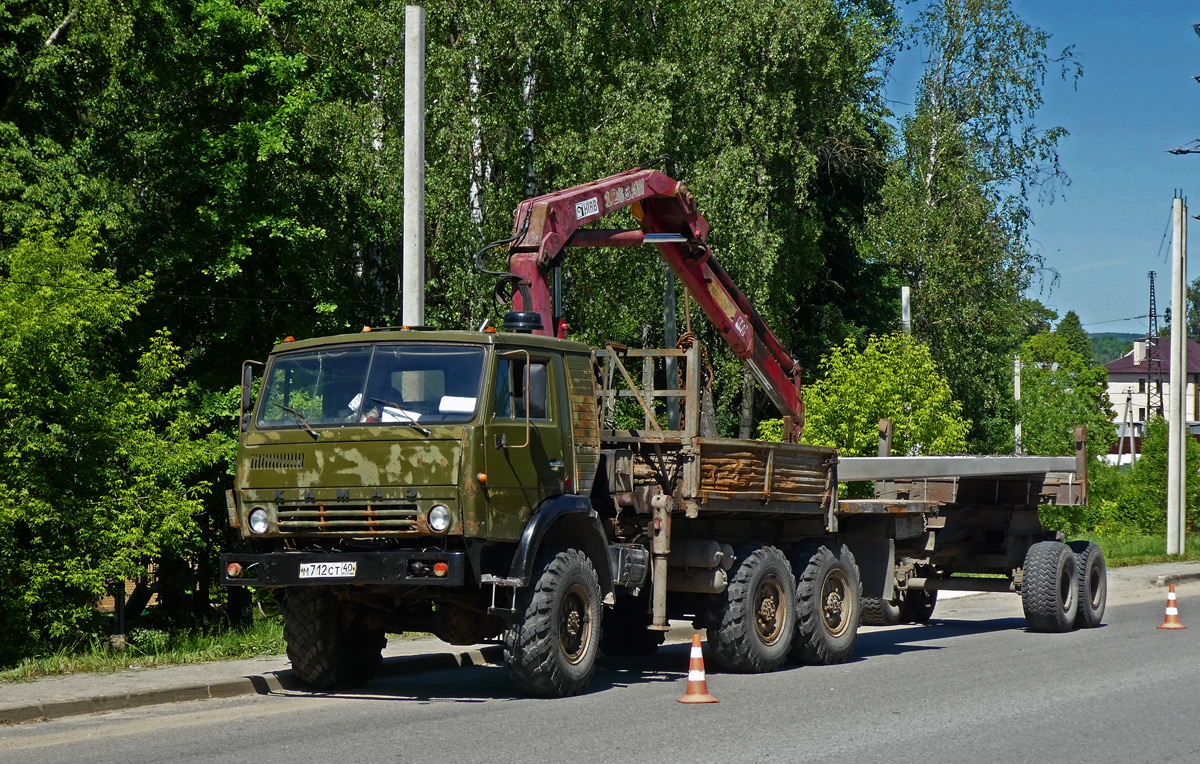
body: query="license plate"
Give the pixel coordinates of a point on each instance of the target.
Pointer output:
(328, 569)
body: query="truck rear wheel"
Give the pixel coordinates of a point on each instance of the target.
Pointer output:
(329, 643)
(1050, 591)
(551, 645)
(1092, 576)
(752, 623)
(829, 597)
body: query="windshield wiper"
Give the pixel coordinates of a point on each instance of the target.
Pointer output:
(303, 423)
(408, 420)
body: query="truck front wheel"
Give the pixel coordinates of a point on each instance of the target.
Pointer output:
(829, 596)
(330, 644)
(551, 645)
(752, 623)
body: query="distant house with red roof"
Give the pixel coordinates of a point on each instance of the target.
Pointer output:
(1130, 387)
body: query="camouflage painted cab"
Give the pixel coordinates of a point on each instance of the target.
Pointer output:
(389, 480)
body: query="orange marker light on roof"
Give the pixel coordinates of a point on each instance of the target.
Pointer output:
(289, 338)
(366, 328)
(490, 330)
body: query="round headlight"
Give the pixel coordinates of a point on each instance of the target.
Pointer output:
(258, 520)
(439, 518)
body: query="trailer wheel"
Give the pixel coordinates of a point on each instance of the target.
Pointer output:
(330, 648)
(625, 633)
(551, 645)
(916, 605)
(829, 598)
(752, 623)
(877, 611)
(1092, 576)
(1050, 592)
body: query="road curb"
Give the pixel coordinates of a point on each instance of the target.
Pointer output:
(1175, 578)
(260, 684)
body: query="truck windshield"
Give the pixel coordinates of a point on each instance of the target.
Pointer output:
(372, 385)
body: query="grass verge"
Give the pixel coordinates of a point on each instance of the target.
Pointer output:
(148, 648)
(1121, 551)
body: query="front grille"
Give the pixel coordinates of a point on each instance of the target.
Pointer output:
(348, 519)
(277, 462)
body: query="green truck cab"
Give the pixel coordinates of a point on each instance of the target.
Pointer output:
(395, 480)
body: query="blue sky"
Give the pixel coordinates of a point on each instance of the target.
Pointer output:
(1136, 100)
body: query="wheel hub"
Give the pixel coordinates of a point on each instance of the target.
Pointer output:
(769, 616)
(835, 611)
(574, 624)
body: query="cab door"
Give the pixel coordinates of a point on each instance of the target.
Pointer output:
(523, 442)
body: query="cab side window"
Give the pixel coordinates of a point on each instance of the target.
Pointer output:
(510, 389)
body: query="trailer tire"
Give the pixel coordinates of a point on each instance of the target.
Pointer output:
(752, 623)
(551, 645)
(1091, 573)
(625, 634)
(330, 648)
(829, 598)
(916, 605)
(877, 611)
(1050, 591)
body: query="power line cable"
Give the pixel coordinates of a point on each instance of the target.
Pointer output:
(1117, 320)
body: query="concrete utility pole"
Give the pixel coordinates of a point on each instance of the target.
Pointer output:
(1176, 453)
(1017, 399)
(413, 279)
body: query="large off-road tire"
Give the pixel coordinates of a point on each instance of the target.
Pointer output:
(1091, 575)
(916, 605)
(328, 642)
(752, 623)
(877, 611)
(552, 642)
(625, 633)
(1050, 591)
(829, 600)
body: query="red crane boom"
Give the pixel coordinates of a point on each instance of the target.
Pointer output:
(670, 221)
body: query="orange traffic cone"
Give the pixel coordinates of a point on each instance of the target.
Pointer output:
(1172, 619)
(697, 687)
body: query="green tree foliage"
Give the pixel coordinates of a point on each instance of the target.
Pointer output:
(892, 377)
(1111, 346)
(955, 212)
(1137, 503)
(1073, 334)
(1193, 308)
(97, 469)
(1061, 390)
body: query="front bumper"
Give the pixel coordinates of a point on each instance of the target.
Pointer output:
(395, 568)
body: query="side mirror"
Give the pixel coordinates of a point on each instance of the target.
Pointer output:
(247, 390)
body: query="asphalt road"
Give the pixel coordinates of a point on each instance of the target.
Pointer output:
(973, 687)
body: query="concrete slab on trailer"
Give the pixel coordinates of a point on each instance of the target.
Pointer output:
(853, 468)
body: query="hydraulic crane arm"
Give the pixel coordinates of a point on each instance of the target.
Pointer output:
(545, 225)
